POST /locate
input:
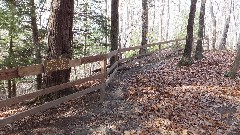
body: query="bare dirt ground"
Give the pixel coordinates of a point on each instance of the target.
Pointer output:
(157, 98)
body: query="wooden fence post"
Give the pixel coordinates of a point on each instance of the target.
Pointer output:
(103, 79)
(117, 58)
(159, 47)
(176, 42)
(176, 45)
(119, 54)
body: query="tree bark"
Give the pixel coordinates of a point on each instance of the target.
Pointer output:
(222, 45)
(233, 71)
(11, 83)
(60, 37)
(214, 25)
(168, 20)
(36, 41)
(144, 25)
(186, 58)
(199, 47)
(12, 59)
(114, 33)
(162, 8)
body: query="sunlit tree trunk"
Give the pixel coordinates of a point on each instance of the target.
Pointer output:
(114, 28)
(199, 47)
(224, 34)
(214, 25)
(186, 58)
(162, 8)
(168, 19)
(236, 63)
(60, 37)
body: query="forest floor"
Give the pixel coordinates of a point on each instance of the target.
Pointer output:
(157, 98)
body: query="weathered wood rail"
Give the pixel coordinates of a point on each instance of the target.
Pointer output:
(54, 65)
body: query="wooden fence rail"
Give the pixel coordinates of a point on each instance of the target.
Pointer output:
(53, 65)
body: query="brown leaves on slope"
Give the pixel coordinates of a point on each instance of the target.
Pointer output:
(196, 99)
(161, 98)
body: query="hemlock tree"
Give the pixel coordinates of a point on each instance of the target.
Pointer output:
(186, 58)
(199, 47)
(233, 71)
(60, 37)
(114, 28)
(144, 24)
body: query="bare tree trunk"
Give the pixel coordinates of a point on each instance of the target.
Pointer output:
(60, 37)
(168, 19)
(106, 23)
(114, 28)
(154, 18)
(186, 58)
(161, 20)
(222, 45)
(36, 41)
(214, 25)
(11, 83)
(144, 24)
(199, 47)
(179, 6)
(226, 28)
(9, 88)
(85, 33)
(233, 71)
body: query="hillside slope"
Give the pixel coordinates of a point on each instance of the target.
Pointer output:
(157, 98)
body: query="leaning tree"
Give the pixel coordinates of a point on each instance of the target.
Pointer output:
(233, 71)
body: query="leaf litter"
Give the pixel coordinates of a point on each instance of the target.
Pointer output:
(157, 98)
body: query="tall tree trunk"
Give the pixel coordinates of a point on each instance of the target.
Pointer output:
(222, 45)
(199, 47)
(114, 28)
(186, 58)
(214, 25)
(144, 24)
(11, 83)
(9, 88)
(162, 8)
(154, 18)
(85, 24)
(236, 63)
(36, 40)
(106, 22)
(12, 90)
(168, 19)
(60, 37)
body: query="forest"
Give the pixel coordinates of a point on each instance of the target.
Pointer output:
(128, 67)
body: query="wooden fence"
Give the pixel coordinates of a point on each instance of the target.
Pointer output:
(106, 75)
